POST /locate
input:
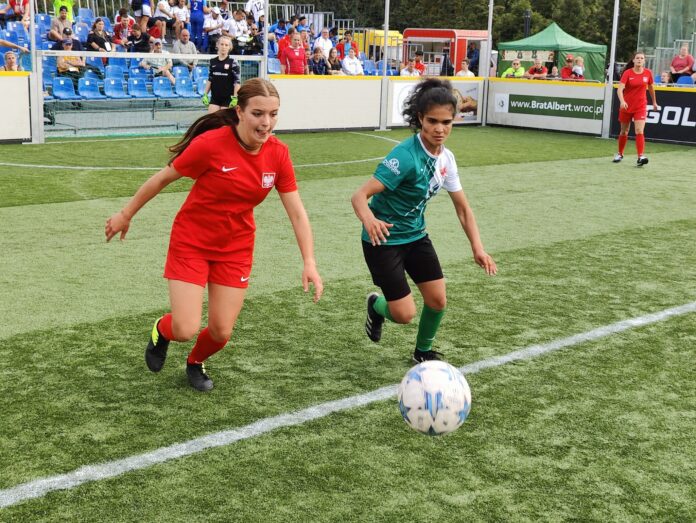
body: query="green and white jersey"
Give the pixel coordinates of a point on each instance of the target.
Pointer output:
(411, 176)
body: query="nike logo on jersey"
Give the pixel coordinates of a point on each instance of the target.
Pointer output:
(244, 279)
(228, 169)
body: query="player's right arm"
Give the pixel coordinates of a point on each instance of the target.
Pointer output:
(376, 229)
(120, 222)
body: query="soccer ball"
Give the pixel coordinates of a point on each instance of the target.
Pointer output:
(434, 398)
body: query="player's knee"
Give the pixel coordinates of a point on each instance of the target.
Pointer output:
(219, 333)
(403, 315)
(437, 303)
(185, 330)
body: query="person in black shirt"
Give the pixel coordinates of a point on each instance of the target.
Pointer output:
(67, 34)
(138, 42)
(224, 78)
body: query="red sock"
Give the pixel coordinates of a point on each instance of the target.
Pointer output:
(640, 144)
(204, 348)
(623, 138)
(165, 326)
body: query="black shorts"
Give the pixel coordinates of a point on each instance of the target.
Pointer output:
(389, 264)
(222, 101)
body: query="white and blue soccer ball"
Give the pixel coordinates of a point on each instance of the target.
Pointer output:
(434, 398)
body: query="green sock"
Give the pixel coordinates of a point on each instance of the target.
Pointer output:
(381, 307)
(427, 328)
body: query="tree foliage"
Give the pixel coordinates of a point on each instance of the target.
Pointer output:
(588, 20)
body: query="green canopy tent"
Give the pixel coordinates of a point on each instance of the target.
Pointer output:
(555, 39)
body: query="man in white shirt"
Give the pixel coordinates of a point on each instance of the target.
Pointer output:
(464, 71)
(255, 8)
(351, 65)
(238, 30)
(324, 42)
(410, 69)
(213, 28)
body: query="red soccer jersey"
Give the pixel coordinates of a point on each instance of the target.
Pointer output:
(634, 90)
(294, 60)
(420, 67)
(216, 222)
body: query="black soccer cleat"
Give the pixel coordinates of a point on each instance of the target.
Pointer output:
(156, 350)
(374, 322)
(419, 356)
(197, 377)
(642, 160)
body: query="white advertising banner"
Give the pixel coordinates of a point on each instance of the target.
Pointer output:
(467, 93)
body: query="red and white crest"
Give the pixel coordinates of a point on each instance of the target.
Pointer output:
(267, 180)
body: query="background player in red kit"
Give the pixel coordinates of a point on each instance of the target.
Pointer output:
(235, 163)
(633, 104)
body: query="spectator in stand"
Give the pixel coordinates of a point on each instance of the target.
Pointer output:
(224, 9)
(184, 45)
(420, 65)
(238, 31)
(514, 71)
(98, 39)
(199, 9)
(142, 12)
(58, 24)
(410, 69)
(351, 64)
(165, 19)
(665, 77)
(292, 58)
(284, 42)
(567, 69)
(15, 10)
(578, 71)
(138, 42)
(464, 71)
(324, 42)
(346, 44)
(262, 23)
(537, 71)
(473, 53)
(67, 34)
(11, 62)
(554, 73)
(71, 66)
(255, 9)
(224, 78)
(304, 35)
(161, 65)
(682, 63)
(278, 29)
(183, 15)
(318, 64)
(255, 45)
(334, 63)
(123, 28)
(302, 24)
(213, 28)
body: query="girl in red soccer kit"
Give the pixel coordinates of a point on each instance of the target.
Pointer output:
(235, 162)
(633, 104)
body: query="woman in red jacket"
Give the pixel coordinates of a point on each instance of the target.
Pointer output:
(633, 104)
(235, 162)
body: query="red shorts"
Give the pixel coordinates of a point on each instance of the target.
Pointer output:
(627, 116)
(200, 271)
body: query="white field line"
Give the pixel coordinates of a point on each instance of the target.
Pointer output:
(375, 136)
(155, 169)
(88, 473)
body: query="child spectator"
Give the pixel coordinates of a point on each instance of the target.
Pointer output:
(351, 64)
(419, 64)
(578, 72)
(318, 64)
(410, 69)
(464, 71)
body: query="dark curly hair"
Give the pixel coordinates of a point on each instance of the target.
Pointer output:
(427, 93)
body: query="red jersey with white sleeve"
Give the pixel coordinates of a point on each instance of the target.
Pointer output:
(216, 222)
(635, 85)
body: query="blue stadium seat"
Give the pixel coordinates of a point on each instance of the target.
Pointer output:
(2, 59)
(89, 89)
(200, 71)
(81, 32)
(162, 88)
(48, 66)
(10, 36)
(63, 89)
(184, 88)
(685, 80)
(369, 68)
(114, 88)
(43, 20)
(107, 25)
(138, 72)
(120, 62)
(20, 33)
(200, 85)
(86, 15)
(362, 56)
(137, 88)
(114, 71)
(273, 66)
(95, 61)
(180, 70)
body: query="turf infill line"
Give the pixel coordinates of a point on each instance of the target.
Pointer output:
(375, 136)
(41, 487)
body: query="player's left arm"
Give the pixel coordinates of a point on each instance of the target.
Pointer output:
(303, 233)
(468, 221)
